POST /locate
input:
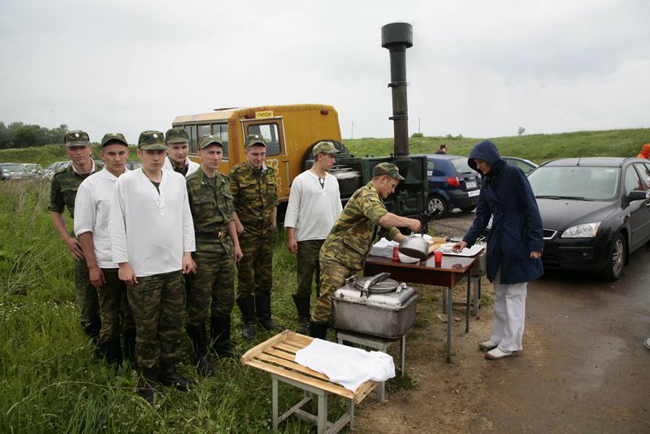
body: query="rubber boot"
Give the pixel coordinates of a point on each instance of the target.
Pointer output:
(318, 330)
(148, 381)
(199, 338)
(302, 306)
(220, 336)
(129, 346)
(114, 351)
(168, 376)
(263, 309)
(92, 328)
(247, 307)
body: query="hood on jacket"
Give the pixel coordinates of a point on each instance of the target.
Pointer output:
(645, 151)
(486, 151)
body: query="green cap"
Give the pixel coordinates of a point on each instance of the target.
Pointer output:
(152, 141)
(76, 138)
(324, 148)
(176, 135)
(210, 140)
(116, 137)
(255, 139)
(387, 169)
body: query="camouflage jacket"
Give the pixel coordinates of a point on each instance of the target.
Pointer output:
(64, 189)
(255, 193)
(353, 234)
(212, 208)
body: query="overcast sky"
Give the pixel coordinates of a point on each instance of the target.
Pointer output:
(477, 68)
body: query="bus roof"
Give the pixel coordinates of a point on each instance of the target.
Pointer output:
(223, 114)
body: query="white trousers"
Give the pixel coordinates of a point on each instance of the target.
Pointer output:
(509, 314)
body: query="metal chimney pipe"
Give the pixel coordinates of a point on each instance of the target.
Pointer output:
(397, 37)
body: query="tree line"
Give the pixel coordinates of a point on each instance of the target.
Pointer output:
(20, 135)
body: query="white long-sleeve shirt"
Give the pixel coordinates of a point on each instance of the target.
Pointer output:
(192, 166)
(312, 209)
(91, 213)
(148, 229)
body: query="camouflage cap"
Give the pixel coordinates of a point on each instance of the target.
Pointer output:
(176, 135)
(324, 148)
(152, 141)
(113, 137)
(387, 169)
(255, 139)
(76, 138)
(210, 140)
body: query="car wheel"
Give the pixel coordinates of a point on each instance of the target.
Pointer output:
(438, 203)
(468, 208)
(617, 252)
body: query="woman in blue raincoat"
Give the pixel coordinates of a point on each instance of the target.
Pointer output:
(514, 246)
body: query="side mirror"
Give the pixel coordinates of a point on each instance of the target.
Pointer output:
(638, 195)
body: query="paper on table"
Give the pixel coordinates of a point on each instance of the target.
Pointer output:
(473, 251)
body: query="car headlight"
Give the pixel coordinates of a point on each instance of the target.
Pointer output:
(585, 230)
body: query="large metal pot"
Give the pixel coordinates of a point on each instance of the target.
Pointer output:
(374, 306)
(415, 246)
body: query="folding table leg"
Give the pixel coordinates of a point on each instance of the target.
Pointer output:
(402, 353)
(322, 413)
(275, 403)
(450, 302)
(351, 414)
(468, 307)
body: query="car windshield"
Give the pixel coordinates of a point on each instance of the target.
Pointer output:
(579, 183)
(461, 166)
(13, 168)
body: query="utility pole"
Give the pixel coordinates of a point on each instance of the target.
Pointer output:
(352, 133)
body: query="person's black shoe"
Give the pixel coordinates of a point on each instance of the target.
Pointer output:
(318, 330)
(263, 310)
(114, 351)
(247, 307)
(204, 367)
(220, 336)
(198, 335)
(129, 346)
(167, 376)
(148, 382)
(302, 307)
(92, 328)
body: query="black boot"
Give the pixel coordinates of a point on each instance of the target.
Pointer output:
(114, 351)
(168, 376)
(129, 346)
(199, 338)
(318, 330)
(263, 309)
(247, 307)
(92, 328)
(220, 336)
(148, 381)
(302, 306)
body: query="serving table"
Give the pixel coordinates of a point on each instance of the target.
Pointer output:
(447, 274)
(277, 356)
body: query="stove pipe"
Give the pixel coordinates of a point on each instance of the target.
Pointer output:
(397, 37)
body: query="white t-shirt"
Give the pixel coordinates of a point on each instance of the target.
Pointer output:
(193, 167)
(91, 213)
(312, 209)
(151, 230)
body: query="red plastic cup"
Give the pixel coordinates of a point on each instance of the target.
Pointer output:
(438, 257)
(395, 254)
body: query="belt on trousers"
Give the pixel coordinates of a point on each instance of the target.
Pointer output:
(211, 235)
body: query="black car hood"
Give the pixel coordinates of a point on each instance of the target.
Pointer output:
(560, 214)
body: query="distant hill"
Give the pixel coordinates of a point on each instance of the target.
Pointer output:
(535, 147)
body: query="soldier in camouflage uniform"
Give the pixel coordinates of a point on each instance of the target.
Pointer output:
(217, 250)
(152, 240)
(178, 146)
(352, 237)
(62, 195)
(255, 196)
(92, 207)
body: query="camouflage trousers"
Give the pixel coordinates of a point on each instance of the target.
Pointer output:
(86, 297)
(332, 277)
(114, 307)
(255, 269)
(306, 266)
(157, 303)
(212, 288)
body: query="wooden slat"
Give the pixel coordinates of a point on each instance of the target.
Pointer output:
(281, 354)
(323, 385)
(288, 348)
(291, 365)
(299, 339)
(260, 348)
(363, 391)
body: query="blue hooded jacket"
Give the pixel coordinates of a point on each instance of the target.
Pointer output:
(507, 197)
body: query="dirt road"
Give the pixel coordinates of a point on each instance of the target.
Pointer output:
(584, 368)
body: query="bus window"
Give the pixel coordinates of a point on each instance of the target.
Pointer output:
(204, 130)
(270, 134)
(190, 133)
(221, 131)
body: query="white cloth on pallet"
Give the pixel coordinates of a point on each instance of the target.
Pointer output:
(347, 366)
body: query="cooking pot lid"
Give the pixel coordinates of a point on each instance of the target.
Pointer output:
(385, 285)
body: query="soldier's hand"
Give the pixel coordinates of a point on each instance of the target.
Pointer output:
(74, 248)
(415, 225)
(97, 278)
(126, 274)
(189, 266)
(292, 245)
(238, 254)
